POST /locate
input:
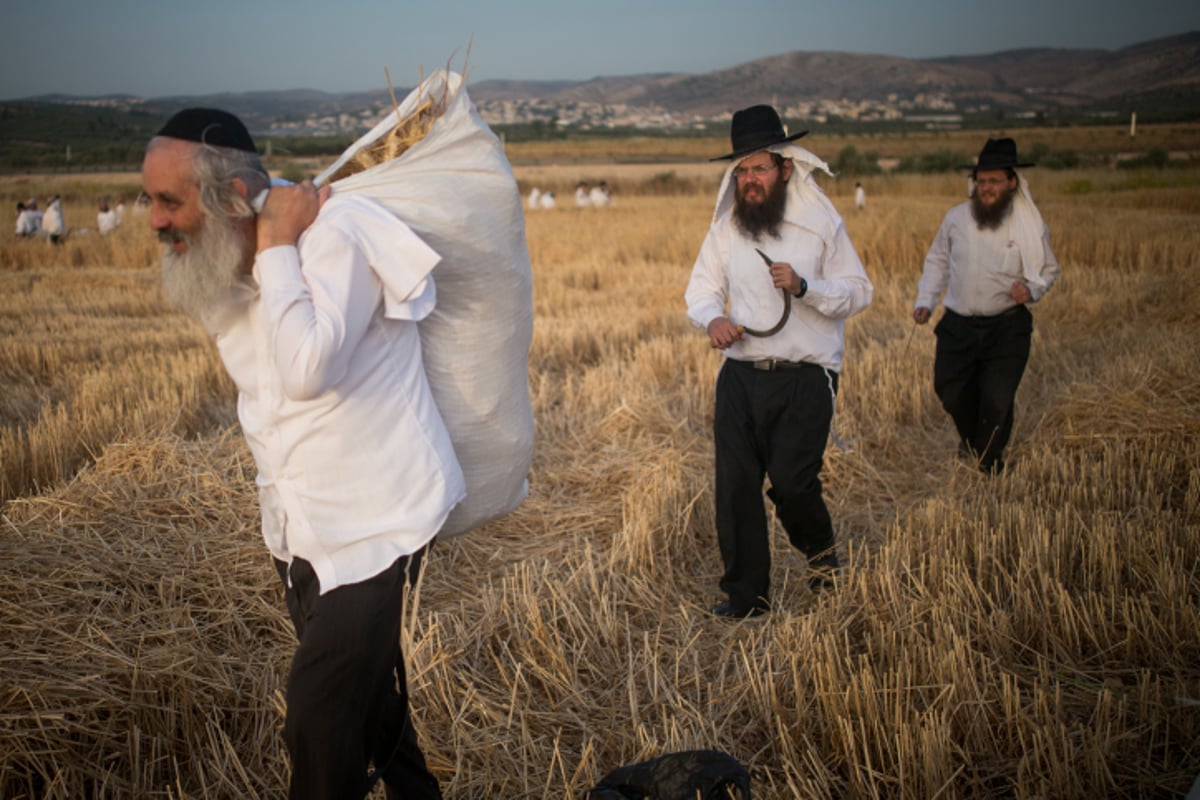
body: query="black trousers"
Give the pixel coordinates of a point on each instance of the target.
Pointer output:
(347, 693)
(772, 424)
(976, 372)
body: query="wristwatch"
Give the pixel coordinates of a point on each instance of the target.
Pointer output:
(803, 288)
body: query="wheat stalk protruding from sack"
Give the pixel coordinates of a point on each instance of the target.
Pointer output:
(408, 130)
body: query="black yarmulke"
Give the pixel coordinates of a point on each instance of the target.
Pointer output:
(209, 126)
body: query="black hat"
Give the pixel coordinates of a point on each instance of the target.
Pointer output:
(209, 126)
(997, 154)
(756, 128)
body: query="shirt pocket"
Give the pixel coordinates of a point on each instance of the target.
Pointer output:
(1010, 268)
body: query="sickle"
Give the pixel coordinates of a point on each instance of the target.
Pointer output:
(787, 308)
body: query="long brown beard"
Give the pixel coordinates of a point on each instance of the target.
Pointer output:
(756, 219)
(990, 217)
(204, 275)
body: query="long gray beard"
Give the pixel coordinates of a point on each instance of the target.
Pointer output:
(204, 275)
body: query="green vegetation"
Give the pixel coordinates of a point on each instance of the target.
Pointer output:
(55, 136)
(1041, 154)
(852, 164)
(941, 160)
(1155, 157)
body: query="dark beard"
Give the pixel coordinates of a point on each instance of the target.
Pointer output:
(989, 217)
(756, 219)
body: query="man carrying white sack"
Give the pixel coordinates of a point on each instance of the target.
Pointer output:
(772, 286)
(314, 308)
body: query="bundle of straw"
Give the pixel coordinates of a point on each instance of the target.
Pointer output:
(408, 131)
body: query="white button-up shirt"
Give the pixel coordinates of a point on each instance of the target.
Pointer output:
(976, 267)
(728, 271)
(355, 466)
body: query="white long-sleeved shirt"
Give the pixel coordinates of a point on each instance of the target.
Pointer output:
(52, 220)
(730, 279)
(107, 221)
(976, 267)
(355, 466)
(29, 222)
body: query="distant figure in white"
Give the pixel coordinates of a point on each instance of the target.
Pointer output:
(106, 219)
(535, 196)
(53, 222)
(547, 199)
(600, 194)
(582, 194)
(29, 219)
(860, 197)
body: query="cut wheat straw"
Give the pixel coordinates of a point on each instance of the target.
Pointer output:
(407, 131)
(1031, 636)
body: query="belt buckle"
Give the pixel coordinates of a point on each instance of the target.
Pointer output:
(767, 364)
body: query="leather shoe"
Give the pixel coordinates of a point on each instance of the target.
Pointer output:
(727, 609)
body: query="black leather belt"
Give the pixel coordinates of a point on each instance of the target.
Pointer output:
(773, 364)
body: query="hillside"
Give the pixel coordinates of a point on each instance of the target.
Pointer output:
(1159, 79)
(1031, 78)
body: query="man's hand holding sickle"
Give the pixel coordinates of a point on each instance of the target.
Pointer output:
(787, 302)
(723, 333)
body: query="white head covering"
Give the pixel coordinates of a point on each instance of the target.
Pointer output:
(807, 204)
(1029, 231)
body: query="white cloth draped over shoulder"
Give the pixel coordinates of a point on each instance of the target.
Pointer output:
(455, 189)
(1029, 231)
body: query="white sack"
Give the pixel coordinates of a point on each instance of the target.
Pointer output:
(456, 190)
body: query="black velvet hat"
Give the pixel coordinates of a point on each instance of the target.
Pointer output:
(997, 154)
(209, 126)
(756, 128)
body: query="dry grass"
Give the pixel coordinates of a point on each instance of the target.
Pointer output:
(408, 131)
(1036, 635)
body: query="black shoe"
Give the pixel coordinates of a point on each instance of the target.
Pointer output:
(822, 571)
(728, 610)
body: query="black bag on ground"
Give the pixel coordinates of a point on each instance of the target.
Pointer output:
(691, 775)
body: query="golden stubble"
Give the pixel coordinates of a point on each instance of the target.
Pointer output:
(1032, 635)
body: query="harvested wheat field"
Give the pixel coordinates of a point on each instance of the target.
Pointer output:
(1034, 635)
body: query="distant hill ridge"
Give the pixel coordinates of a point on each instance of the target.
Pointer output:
(1030, 79)
(1046, 76)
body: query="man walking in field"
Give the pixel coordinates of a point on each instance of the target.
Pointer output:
(313, 306)
(774, 282)
(992, 258)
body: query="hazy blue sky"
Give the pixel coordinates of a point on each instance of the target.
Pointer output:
(85, 47)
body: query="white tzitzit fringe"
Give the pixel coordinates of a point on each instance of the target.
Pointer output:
(843, 445)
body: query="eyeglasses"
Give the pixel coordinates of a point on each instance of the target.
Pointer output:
(758, 170)
(992, 181)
